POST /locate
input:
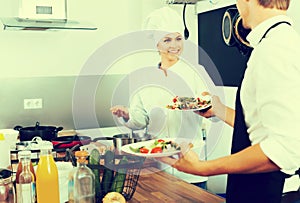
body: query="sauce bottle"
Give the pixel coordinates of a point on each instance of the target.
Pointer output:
(25, 165)
(47, 176)
(26, 180)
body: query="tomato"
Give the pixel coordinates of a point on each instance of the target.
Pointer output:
(175, 100)
(160, 140)
(144, 150)
(156, 150)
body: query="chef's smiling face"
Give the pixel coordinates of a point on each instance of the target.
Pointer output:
(171, 45)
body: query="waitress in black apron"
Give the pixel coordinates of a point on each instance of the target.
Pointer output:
(253, 176)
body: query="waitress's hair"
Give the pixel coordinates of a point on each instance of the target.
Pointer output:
(279, 4)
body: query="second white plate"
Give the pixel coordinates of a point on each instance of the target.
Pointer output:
(149, 143)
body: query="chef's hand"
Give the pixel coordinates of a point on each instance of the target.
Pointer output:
(217, 107)
(120, 111)
(188, 161)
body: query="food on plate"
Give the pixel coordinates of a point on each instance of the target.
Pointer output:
(113, 197)
(158, 146)
(189, 103)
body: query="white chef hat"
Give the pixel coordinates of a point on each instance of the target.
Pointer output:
(161, 22)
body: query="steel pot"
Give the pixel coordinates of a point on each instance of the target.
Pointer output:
(70, 141)
(45, 132)
(124, 139)
(141, 136)
(120, 140)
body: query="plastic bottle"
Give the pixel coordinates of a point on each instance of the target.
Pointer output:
(47, 187)
(81, 181)
(25, 161)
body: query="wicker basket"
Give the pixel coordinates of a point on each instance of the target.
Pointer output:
(132, 168)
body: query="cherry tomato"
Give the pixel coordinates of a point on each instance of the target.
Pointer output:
(144, 150)
(160, 140)
(156, 150)
(175, 100)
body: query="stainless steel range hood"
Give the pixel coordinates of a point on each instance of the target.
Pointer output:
(43, 15)
(16, 23)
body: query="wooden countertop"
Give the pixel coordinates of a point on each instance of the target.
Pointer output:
(158, 186)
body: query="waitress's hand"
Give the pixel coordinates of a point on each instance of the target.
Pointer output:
(188, 161)
(120, 111)
(217, 108)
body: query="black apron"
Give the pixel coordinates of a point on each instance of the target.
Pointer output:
(251, 188)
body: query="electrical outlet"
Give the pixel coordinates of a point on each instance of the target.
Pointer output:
(33, 103)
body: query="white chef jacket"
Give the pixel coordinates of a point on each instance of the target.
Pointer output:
(152, 91)
(270, 92)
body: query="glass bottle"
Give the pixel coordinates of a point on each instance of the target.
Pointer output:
(7, 190)
(81, 181)
(26, 180)
(26, 154)
(47, 187)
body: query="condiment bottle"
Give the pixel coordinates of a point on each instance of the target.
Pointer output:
(47, 187)
(25, 192)
(7, 190)
(25, 178)
(81, 181)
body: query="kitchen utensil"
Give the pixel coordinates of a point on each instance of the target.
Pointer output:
(70, 141)
(45, 132)
(141, 136)
(126, 138)
(123, 139)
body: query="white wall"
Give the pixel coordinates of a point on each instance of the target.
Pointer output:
(48, 53)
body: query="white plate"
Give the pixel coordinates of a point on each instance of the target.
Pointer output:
(198, 109)
(149, 143)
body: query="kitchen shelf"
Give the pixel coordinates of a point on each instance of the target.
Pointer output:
(15, 23)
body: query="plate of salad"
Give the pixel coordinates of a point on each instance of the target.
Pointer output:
(155, 148)
(190, 103)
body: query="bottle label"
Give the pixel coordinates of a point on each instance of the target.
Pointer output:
(26, 193)
(71, 190)
(33, 192)
(18, 189)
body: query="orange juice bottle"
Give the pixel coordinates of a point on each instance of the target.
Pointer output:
(47, 187)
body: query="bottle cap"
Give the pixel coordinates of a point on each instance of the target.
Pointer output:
(45, 145)
(81, 153)
(24, 153)
(81, 156)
